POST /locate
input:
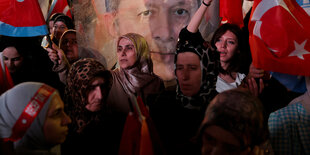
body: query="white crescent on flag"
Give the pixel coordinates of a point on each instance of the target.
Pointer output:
(261, 9)
(280, 36)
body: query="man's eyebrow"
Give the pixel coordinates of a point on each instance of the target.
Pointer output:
(150, 4)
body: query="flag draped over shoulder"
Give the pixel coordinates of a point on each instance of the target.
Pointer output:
(280, 37)
(231, 12)
(60, 6)
(21, 18)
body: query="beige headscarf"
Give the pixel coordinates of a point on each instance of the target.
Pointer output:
(141, 73)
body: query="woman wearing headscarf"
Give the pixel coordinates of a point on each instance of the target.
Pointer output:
(88, 84)
(177, 114)
(135, 76)
(32, 116)
(68, 53)
(60, 23)
(64, 56)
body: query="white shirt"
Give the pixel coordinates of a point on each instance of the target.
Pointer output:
(222, 85)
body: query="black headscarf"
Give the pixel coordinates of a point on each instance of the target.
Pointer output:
(209, 61)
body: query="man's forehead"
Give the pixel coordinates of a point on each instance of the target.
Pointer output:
(193, 3)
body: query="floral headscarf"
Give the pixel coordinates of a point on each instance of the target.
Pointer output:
(78, 80)
(209, 62)
(141, 73)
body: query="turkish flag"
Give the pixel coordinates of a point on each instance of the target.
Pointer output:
(21, 18)
(280, 37)
(231, 12)
(60, 6)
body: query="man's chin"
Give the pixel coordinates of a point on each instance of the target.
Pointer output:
(166, 58)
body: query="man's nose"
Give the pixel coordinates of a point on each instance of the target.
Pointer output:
(163, 30)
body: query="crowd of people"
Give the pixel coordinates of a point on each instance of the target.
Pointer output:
(66, 100)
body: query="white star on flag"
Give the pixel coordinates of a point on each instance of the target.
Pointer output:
(299, 50)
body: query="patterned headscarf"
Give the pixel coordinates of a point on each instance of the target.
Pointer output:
(240, 113)
(209, 62)
(12, 107)
(141, 73)
(78, 81)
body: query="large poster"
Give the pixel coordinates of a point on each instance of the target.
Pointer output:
(101, 22)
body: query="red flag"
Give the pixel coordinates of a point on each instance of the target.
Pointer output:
(60, 6)
(231, 12)
(280, 37)
(136, 138)
(21, 18)
(6, 81)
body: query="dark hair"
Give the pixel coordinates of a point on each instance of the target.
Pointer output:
(236, 60)
(18, 43)
(240, 113)
(54, 16)
(65, 19)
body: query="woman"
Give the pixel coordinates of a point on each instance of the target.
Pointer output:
(228, 41)
(135, 76)
(65, 55)
(61, 24)
(177, 114)
(32, 116)
(68, 53)
(14, 57)
(88, 84)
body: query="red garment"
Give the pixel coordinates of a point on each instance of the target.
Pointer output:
(231, 12)
(60, 6)
(136, 138)
(21, 18)
(280, 37)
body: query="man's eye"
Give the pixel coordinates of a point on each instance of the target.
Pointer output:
(181, 12)
(145, 13)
